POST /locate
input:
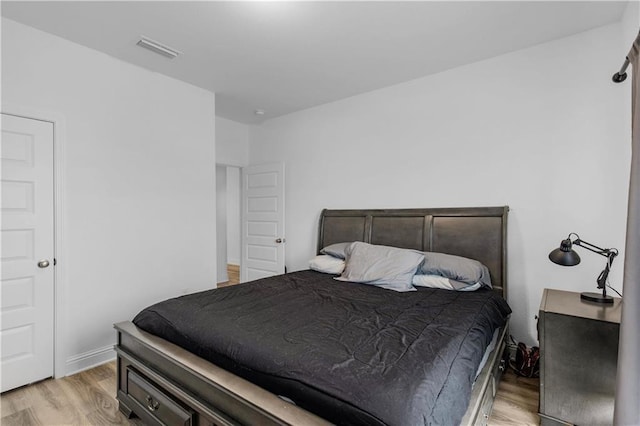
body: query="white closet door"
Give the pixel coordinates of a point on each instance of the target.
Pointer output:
(26, 281)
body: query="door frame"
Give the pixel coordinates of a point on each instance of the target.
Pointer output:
(239, 167)
(59, 252)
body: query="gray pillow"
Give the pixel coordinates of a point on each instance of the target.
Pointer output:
(336, 250)
(387, 267)
(457, 268)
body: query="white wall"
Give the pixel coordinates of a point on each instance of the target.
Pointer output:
(139, 182)
(232, 142)
(232, 151)
(543, 130)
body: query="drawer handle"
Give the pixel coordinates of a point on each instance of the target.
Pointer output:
(152, 404)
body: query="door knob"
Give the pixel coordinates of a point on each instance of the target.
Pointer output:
(280, 240)
(43, 263)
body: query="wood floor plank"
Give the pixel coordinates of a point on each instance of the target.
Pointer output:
(14, 401)
(107, 413)
(516, 401)
(109, 385)
(233, 272)
(50, 407)
(72, 412)
(86, 398)
(24, 417)
(75, 390)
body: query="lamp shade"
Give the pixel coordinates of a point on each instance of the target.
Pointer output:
(564, 255)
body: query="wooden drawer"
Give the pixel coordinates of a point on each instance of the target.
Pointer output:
(159, 407)
(487, 403)
(498, 370)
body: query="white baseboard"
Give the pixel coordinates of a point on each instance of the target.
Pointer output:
(90, 359)
(234, 262)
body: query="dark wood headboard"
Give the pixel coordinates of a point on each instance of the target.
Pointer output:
(474, 232)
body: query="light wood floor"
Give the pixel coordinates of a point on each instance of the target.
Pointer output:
(516, 401)
(88, 398)
(233, 272)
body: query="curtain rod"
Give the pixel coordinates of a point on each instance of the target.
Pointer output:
(621, 75)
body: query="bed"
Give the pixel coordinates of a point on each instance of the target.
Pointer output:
(162, 382)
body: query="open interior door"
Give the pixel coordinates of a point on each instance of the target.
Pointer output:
(263, 239)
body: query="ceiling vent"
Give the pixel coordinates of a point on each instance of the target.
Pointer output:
(158, 48)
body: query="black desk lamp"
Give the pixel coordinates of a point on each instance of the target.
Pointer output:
(566, 256)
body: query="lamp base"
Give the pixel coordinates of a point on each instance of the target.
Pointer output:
(596, 297)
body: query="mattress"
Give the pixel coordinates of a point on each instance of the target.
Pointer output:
(354, 354)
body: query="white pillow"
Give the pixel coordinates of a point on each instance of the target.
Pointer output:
(437, 281)
(327, 264)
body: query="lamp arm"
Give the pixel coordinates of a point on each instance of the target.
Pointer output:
(594, 248)
(566, 256)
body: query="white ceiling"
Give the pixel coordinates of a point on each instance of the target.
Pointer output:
(287, 56)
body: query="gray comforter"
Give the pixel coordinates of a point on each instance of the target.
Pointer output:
(351, 353)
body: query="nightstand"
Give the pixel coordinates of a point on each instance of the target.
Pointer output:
(578, 362)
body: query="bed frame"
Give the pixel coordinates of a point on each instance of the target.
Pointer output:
(164, 384)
